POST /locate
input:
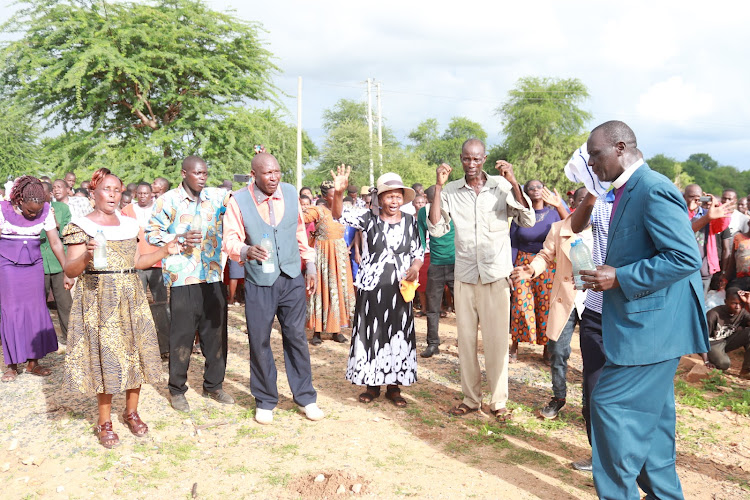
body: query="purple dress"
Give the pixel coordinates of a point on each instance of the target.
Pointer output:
(26, 328)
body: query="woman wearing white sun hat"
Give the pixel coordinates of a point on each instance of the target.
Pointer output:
(383, 350)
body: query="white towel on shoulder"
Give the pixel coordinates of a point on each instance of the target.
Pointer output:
(578, 171)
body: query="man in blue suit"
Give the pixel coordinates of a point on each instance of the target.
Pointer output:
(653, 313)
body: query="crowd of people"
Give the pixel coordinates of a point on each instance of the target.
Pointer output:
(495, 250)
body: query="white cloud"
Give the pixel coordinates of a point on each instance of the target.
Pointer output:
(675, 101)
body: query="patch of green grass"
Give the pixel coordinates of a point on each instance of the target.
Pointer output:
(414, 411)
(523, 407)
(376, 461)
(278, 479)
(401, 490)
(247, 414)
(742, 483)
(518, 455)
(737, 401)
(455, 448)
(156, 473)
(714, 381)
(287, 449)
(179, 451)
(140, 448)
(689, 395)
(422, 394)
(109, 461)
(246, 431)
(160, 425)
(238, 469)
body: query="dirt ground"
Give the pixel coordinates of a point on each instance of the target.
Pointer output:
(48, 450)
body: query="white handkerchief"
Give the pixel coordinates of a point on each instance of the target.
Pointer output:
(578, 170)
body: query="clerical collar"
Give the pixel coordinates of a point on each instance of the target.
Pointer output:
(625, 176)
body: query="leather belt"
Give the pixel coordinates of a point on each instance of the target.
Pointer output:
(120, 271)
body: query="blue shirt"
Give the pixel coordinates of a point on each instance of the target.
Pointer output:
(172, 214)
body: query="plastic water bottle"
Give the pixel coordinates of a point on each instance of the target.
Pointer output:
(580, 257)
(268, 265)
(197, 223)
(100, 252)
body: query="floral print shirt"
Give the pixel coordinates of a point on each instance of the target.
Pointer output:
(172, 214)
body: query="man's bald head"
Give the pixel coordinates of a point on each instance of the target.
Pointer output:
(473, 142)
(615, 131)
(262, 159)
(191, 162)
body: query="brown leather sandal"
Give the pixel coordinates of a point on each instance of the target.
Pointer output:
(502, 415)
(394, 396)
(107, 437)
(369, 395)
(137, 426)
(461, 410)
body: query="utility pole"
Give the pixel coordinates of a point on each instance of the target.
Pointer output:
(369, 127)
(299, 133)
(380, 132)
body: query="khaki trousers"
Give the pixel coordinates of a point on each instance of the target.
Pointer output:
(488, 305)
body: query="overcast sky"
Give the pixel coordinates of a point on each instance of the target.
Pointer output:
(676, 72)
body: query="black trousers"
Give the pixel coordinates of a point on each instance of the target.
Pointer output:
(285, 299)
(592, 352)
(437, 278)
(63, 300)
(202, 307)
(153, 279)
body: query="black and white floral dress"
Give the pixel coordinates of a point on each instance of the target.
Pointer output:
(384, 347)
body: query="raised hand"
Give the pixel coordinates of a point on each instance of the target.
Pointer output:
(341, 178)
(550, 198)
(718, 210)
(506, 170)
(443, 172)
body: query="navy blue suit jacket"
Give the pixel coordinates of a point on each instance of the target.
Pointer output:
(657, 313)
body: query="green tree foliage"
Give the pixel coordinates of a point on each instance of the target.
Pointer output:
(435, 148)
(347, 141)
(543, 124)
(139, 86)
(664, 165)
(19, 141)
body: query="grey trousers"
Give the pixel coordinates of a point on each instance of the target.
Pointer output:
(437, 278)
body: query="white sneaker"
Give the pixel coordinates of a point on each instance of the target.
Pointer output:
(264, 417)
(314, 413)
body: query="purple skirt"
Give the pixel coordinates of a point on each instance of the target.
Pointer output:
(25, 325)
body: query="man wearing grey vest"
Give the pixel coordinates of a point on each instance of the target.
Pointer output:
(268, 208)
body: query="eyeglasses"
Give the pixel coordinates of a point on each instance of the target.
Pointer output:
(468, 159)
(535, 188)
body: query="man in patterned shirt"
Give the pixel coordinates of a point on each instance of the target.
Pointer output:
(197, 299)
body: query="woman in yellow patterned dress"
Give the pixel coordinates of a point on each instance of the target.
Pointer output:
(332, 305)
(112, 345)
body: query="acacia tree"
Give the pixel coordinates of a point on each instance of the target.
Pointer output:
(543, 124)
(19, 141)
(138, 85)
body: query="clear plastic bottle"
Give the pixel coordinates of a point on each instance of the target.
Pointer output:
(100, 252)
(197, 223)
(268, 265)
(580, 257)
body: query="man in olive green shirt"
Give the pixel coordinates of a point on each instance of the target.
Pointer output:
(480, 207)
(54, 277)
